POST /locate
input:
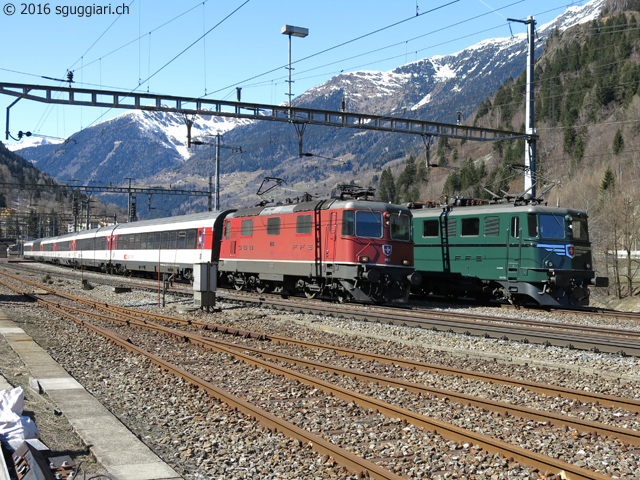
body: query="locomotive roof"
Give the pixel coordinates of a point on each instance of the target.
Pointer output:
(505, 208)
(323, 204)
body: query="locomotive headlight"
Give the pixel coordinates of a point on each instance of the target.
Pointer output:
(406, 263)
(363, 259)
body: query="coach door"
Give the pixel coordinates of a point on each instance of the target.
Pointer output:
(513, 249)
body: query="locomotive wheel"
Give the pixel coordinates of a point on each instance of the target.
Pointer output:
(312, 290)
(343, 295)
(239, 282)
(263, 287)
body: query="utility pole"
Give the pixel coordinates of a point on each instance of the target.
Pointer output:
(530, 146)
(216, 203)
(218, 145)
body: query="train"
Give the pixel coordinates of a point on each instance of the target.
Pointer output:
(522, 252)
(346, 247)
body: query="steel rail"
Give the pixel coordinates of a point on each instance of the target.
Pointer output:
(434, 321)
(545, 389)
(583, 426)
(451, 432)
(617, 341)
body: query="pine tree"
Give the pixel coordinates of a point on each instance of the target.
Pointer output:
(618, 143)
(608, 182)
(387, 188)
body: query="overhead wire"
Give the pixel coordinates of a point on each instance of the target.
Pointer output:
(181, 53)
(563, 7)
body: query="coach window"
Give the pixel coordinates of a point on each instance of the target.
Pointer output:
(165, 240)
(348, 223)
(515, 227)
(246, 228)
(430, 228)
(173, 240)
(143, 241)
(273, 226)
(182, 240)
(368, 224)
(491, 226)
(191, 238)
(157, 243)
(470, 227)
(303, 224)
(137, 241)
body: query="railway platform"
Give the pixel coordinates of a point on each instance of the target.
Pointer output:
(116, 448)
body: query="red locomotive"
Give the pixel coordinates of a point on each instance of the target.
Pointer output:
(348, 249)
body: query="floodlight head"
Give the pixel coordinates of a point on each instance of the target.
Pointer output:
(295, 31)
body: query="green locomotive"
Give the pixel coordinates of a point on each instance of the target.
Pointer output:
(522, 253)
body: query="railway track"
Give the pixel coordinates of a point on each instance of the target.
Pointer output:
(595, 338)
(255, 355)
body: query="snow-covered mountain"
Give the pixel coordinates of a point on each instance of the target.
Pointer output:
(140, 144)
(133, 144)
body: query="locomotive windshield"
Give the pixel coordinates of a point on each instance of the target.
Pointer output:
(559, 227)
(551, 226)
(400, 227)
(368, 224)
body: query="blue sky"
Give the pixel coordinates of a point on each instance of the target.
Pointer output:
(156, 46)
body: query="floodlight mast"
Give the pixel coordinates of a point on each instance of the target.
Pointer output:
(293, 32)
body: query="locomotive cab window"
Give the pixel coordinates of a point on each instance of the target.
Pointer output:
(348, 223)
(400, 226)
(430, 228)
(470, 227)
(246, 228)
(303, 224)
(579, 229)
(273, 226)
(368, 224)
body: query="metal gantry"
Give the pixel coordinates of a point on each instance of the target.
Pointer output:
(243, 110)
